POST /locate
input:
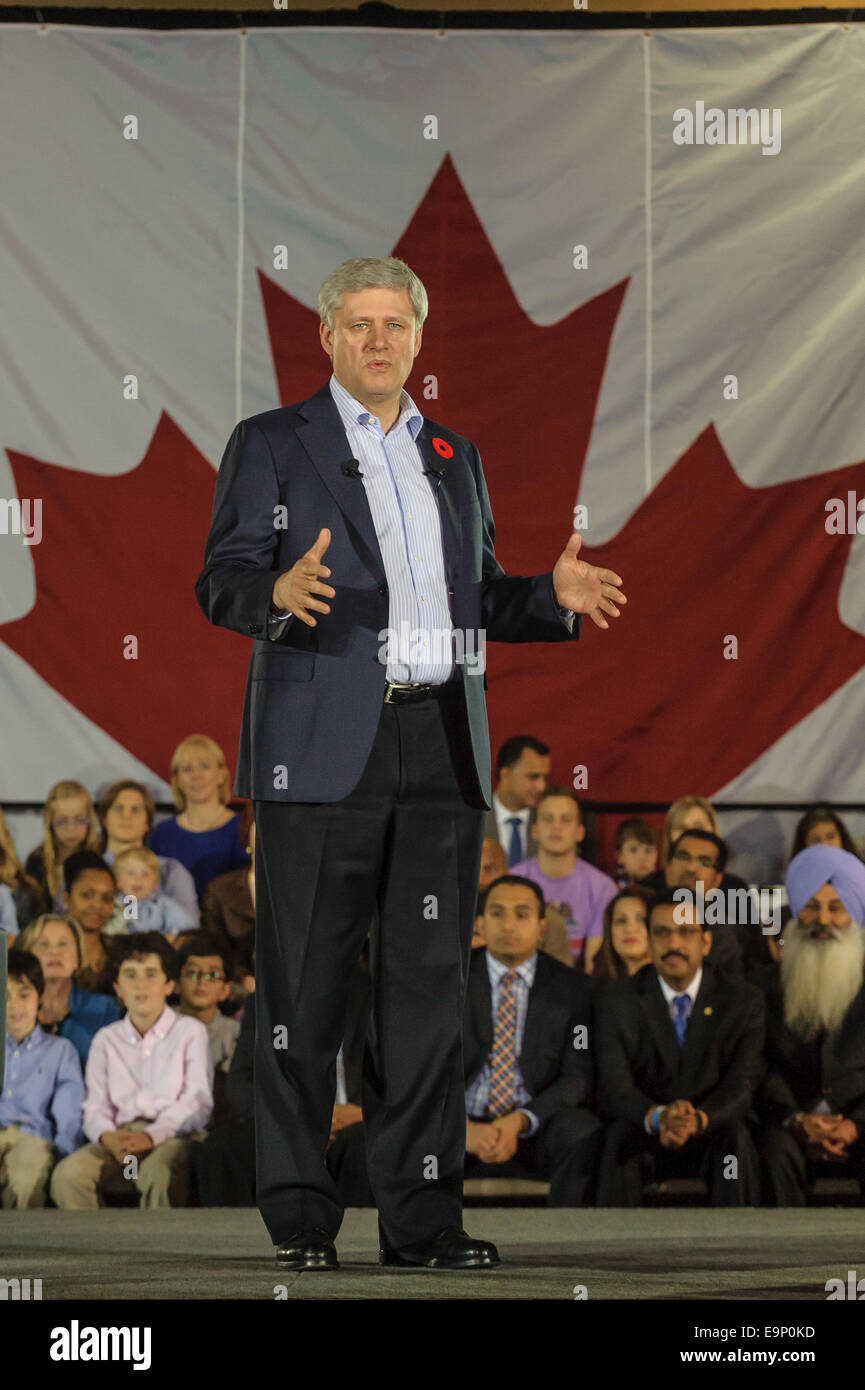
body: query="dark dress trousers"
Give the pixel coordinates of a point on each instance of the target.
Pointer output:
(640, 1064)
(798, 1075)
(565, 1149)
(223, 1164)
(359, 805)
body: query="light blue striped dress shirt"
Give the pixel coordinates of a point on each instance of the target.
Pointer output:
(405, 514)
(478, 1094)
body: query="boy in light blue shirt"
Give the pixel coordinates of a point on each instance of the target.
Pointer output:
(43, 1094)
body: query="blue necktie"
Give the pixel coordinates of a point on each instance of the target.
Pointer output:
(682, 1006)
(515, 849)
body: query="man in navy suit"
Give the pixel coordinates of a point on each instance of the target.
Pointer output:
(365, 748)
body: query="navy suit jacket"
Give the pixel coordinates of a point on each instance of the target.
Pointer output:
(314, 694)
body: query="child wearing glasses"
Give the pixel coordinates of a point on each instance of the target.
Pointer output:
(206, 970)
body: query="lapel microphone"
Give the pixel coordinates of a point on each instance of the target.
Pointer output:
(432, 472)
(351, 469)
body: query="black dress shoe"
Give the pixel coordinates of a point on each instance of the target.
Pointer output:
(311, 1249)
(452, 1248)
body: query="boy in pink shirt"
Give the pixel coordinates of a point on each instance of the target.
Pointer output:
(149, 1089)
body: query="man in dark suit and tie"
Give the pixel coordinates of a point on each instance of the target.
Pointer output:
(522, 769)
(528, 1062)
(679, 1055)
(365, 748)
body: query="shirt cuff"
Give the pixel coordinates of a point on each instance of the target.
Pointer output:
(533, 1123)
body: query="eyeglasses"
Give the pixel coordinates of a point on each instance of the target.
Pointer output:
(211, 976)
(68, 822)
(667, 933)
(683, 857)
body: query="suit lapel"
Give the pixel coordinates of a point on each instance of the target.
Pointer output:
(325, 440)
(533, 1020)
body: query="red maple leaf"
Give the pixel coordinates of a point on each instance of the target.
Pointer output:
(119, 557)
(651, 706)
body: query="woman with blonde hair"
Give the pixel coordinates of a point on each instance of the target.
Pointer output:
(70, 824)
(205, 833)
(27, 895)
(67, 1008)
(687, 813)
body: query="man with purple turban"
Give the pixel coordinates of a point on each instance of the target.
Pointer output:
(812, 1100)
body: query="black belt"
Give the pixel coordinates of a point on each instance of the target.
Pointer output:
(399, 694)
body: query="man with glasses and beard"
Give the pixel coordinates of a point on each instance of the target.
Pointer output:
(812, 1099)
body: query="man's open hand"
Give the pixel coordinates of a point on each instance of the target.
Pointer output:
(583, 587)
(294, 590)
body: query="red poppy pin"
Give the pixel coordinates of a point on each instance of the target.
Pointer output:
(442, 447)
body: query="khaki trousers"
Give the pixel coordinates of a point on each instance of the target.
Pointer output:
(161, 1176)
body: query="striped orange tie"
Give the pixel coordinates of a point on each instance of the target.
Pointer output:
(503, 1055)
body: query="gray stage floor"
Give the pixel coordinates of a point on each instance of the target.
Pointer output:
(664, 1253)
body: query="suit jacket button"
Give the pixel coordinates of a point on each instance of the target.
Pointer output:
(382, 588)
(254, 628)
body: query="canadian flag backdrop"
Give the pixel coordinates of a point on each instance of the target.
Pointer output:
(189, 258)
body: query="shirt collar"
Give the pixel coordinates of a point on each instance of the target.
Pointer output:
(33, 1039)
(693, 988)
(526, 971)
(505, 815)
(163, 1025)
(353, 413)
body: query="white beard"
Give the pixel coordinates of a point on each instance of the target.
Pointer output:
(820, 979)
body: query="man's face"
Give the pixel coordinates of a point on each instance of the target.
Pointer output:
(677, 948)
(510, 925)
(557, 825)
(694, 859)
(525, 781)
(373, 344)
(824, 914)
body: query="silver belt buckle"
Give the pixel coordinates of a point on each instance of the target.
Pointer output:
(398, 685)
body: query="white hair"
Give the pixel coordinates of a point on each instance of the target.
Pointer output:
(820, 978)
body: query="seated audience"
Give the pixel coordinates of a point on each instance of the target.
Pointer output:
(127, 812)
(149, 1089)
(636, 850)
(493, 865)
(89, 899)
(70, 825)
(699, 857)
(822, 826)
(521, 772)
(145, 906)
(205, 981)
(66, 1009)
(528, 1080)
(27, 895)
(678, 1048)
(205, 834)
(812, 1098)
(40, 1104)
(577, 890)
(625, 944)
